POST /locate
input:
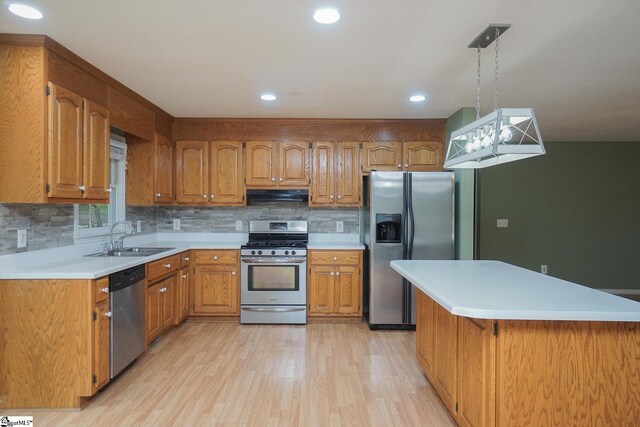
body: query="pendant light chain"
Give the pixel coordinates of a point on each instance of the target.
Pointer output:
(495, 82)
(478, 88)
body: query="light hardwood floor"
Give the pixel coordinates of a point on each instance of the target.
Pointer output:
(214, 373)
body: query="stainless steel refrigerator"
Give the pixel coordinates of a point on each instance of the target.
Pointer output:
(406, 215)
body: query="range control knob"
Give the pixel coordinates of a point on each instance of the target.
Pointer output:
(273, 252)
(293, 252)
(253, 252)
(259, 252)
(286, 252)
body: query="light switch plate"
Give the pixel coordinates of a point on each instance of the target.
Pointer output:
(339, 226)
(239, 225)
(176, 224)
(502, 223)
(22, 238)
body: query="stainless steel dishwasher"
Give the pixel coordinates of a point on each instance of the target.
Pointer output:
(127, 292)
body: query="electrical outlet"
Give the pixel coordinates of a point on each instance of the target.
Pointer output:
(339, 226)
(238, 225)
(139, 226)
(543, 269)
(176, 224)
(502, 223)
(22, 238)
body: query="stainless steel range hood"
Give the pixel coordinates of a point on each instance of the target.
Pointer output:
(270, 196)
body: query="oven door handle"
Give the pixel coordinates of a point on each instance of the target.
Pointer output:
(274, 260)
(274, 309)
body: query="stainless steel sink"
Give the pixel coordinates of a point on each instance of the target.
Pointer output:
(131, 252)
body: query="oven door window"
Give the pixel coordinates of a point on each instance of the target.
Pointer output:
(274, 278)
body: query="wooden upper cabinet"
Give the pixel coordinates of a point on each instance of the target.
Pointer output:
(337, 180)
(422, 156)
(226, 185)
(65, 143)
(399, 156)
(192, 171)
(164, 166)
(293, 164)
(381, 156)
(261, 163)
(277, 164)
(96, 151)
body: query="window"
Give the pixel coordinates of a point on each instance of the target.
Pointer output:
(93, 220)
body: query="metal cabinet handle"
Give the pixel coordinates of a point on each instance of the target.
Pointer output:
(212, 196)
(158, 194)
(337, 273)
(186, 258)
(167, 266)
(406, 165)
(339, 197)
(273, 179)
(331, 196)
(108, 190)
(335, 258)
(205, 196)
(82, 188)
(332, 273)
(399, 165)
(105, 290)
(184, 276)
(281, 179)
(108, 314)
(215, 257)
(233, 273)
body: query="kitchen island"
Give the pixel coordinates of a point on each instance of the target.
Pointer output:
(507, 346)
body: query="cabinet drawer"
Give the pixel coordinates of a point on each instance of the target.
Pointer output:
(185, 258)
(99, 286)
(162, 267)
(216, 257)
(334, 257)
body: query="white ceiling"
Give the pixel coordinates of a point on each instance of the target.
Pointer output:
(576, 62)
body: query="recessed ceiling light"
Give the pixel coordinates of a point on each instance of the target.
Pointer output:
(326, 16)
(268, 97)
(417, 98)
(25, 11)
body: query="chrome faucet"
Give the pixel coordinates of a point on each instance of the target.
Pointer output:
(119, 245)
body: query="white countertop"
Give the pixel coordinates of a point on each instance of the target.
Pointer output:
(69, 262)
(496, 290)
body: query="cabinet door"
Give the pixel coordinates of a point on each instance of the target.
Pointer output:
(192, 171)
(422, 156)
(445, 345)
(227, 173)
(321, 290)
(164, 164)
(381, 156)
(154, 319)
(476, 373)
(215, 290)
(168, 302)
(96, 151)
(425, 333)
(65, 143)
(261, 163)
(348, 177)
(182, 294)
(101, 333)
(347, 291)
(322, 170)
(293, 164)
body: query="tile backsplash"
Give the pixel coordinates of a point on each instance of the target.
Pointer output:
(50, 226)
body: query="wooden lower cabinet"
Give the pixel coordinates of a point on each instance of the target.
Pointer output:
(54, 342)
(216, 290)
(160, 306)
(182, 294)
(530, 372)
(334, 283)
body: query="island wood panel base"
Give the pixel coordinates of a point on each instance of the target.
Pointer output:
(551, 373)
(45, 343)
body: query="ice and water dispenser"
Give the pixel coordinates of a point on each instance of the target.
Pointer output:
(388, 228)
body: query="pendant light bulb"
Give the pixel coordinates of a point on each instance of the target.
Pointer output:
(506, 134)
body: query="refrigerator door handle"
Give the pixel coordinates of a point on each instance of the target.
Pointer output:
(410, 218)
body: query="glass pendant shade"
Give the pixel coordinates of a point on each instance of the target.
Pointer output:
(505, 135)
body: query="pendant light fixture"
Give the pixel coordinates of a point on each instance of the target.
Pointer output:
(505, 135)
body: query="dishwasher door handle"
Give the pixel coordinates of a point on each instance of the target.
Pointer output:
(274, 309)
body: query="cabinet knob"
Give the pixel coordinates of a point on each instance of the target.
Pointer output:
(332, 273)
(399, 165)
(406, 165)
(215, 257)
(339, 197)
(108, 314)
(212, 196)
(331, 196)
(167, 266)
(233, 273)
(184, 276)
(273, 179)
(81, 188)
(186, 258)
(105, 290)
(337, 273)
(158, 194)
(281, 179)
(335, 258)
(205, 196)
(108, 190)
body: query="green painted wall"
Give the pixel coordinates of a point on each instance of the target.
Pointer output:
(465, 192)
(576, 209)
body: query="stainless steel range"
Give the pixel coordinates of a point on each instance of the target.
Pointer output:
(274, 273)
